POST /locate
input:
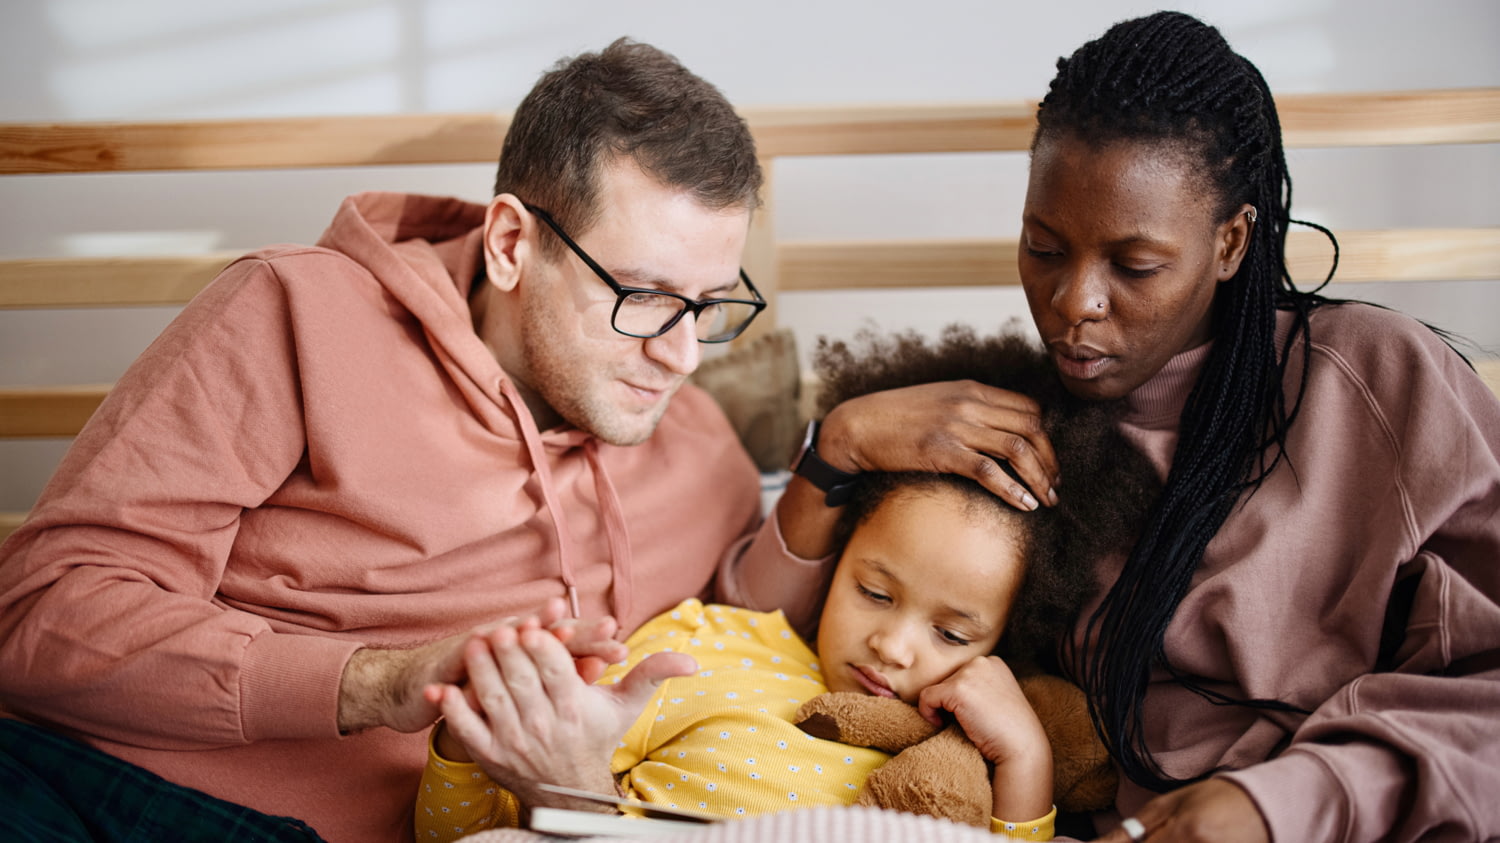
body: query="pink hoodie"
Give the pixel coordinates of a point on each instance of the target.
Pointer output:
(320, 454)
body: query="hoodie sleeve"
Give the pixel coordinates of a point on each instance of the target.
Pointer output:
(109, 622)
(760, 573)
(1411, 750)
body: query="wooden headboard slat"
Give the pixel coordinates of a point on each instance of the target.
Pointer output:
(60, 412)
(1463, 254)
(292, 142)
(1453, 254)
(1470, 115)
(107, 282)
(48, 411)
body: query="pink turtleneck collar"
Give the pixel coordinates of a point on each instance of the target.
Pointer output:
(1158, 403)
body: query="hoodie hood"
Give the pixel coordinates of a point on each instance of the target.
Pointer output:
(426, 252)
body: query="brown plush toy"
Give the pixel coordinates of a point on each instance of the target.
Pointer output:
(939, 772)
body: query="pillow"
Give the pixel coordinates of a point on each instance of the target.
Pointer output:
(759, 387)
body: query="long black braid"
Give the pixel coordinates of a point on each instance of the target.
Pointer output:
(1172, 80)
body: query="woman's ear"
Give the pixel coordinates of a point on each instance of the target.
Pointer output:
(507, 240)
(1234, 241)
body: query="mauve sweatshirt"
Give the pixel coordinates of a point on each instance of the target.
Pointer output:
(319, 454)
(1387, 505)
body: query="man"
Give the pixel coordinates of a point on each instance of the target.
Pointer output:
(340, 460)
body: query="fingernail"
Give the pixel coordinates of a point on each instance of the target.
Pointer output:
(1052, 496)
(1028, 500)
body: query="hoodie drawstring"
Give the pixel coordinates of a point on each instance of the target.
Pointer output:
(614, 528)
(533, 439)
(613, 514)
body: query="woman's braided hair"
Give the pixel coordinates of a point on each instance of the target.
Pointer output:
(1172, 81)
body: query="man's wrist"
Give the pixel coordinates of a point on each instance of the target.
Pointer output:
(362, 690)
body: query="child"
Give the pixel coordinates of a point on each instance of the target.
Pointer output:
(935, 576)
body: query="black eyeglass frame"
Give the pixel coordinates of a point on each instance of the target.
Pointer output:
(623, 292)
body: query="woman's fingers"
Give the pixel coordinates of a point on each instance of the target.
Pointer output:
(1210, 811)
(955, 427)
(1011, 429)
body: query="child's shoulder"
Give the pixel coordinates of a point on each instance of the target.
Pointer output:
(692, 616)
(721, 636)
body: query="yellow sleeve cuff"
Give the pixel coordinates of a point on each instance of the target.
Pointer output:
(1042, 828)
(458, 798)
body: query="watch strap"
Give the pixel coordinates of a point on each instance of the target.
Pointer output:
(836, 485)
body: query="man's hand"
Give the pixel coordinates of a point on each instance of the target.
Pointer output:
(1214, 810)
(385, 687)
(538, 720)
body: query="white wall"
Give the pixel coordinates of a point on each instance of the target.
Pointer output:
(166, 59)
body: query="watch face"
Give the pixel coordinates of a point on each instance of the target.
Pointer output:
(807, 441)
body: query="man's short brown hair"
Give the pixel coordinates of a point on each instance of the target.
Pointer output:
(629, 99)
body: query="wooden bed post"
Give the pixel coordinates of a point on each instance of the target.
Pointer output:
(760, 255)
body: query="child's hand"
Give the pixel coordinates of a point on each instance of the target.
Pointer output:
(987, 702)
(592, 643)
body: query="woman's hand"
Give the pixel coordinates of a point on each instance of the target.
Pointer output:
(951, 427)
(537, 720)
(985, 699)
(1215, 810)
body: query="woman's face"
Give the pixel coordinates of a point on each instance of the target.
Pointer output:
(1121, 255)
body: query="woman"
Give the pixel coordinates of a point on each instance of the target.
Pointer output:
(1305, 644)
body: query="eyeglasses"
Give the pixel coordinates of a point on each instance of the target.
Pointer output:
(645, 313)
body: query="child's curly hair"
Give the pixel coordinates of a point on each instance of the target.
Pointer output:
(1108, 484)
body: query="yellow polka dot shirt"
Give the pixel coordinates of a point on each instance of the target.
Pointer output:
(720, 741)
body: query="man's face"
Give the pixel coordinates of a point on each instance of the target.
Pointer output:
(571, 360)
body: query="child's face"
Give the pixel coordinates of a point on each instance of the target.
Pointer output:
(923, 586)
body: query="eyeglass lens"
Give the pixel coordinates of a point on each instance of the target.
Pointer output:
(647, 314)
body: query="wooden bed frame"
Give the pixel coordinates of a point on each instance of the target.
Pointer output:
(1466, 116)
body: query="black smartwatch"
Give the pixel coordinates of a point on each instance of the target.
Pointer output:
(836, 485)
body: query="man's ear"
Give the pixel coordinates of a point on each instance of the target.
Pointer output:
(1234, 241)
(508, 233)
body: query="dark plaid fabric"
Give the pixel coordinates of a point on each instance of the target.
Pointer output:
(53, 788)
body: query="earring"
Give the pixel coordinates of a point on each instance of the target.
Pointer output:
(1251, 214)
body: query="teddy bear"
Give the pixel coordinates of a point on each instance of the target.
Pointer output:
(937, 770)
